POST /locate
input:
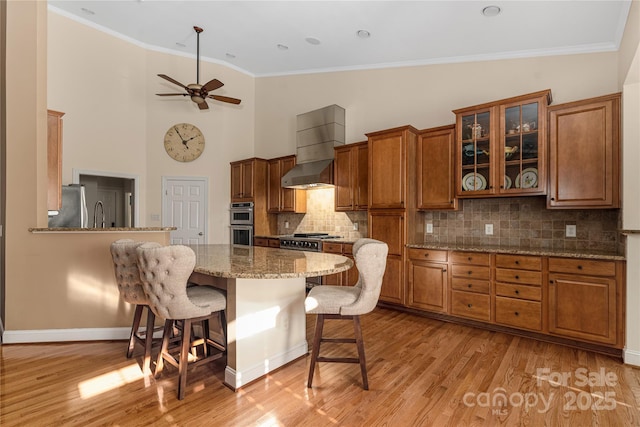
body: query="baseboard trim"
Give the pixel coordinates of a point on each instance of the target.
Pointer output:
(61, 335)
(631, 357)
(235, 379)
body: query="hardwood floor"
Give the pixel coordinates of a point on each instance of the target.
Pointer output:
(421, 372)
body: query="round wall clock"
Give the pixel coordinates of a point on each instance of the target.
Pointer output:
(184, 142)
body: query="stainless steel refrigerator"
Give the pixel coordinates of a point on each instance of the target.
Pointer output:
(73, 213)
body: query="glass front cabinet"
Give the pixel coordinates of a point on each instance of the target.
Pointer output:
(501, 147)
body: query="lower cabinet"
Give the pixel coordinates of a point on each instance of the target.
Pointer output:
(389, 226)
(583, 300)
(345, 278)
(470, 285)
(427, 279)
(267, 242)
(579, 299)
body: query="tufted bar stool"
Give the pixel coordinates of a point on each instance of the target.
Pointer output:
(164, 272)
(125, 264)
(349, 303)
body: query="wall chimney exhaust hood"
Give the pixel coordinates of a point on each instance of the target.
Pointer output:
(317, 133)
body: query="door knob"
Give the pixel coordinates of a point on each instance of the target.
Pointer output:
(200, 233)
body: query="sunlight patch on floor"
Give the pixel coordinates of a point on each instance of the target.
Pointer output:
(109, 381)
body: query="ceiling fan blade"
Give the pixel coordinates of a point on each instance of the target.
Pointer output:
(171, 94)
(164, 76)
(226, 99)
(212, 85)
(203, 105)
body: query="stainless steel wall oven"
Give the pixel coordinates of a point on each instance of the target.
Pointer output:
(241, 223)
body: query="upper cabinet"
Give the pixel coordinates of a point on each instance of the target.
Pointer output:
(388, 154)
(436, 169)
(284, 199)
(54, 160)
(351, 167)
(584, 158)
(247, 177)
(501, 147)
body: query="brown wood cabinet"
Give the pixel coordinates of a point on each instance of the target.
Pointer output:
(388, 153)
(247, 177)
(389, 226)
(436, 169)
(345, 278)
(266, 242)
(501, 147)
(518, 291)
(585, 299)
(284, 199)
(470, 285)
(54, 160)
(351, 166)
(584, 158)
(427, 279)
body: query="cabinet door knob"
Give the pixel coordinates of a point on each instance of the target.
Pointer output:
(517, 314)
(517, 277)
(469, 285)
(426, 255)
(468, 258)
(517, 262)
(517, 292)
(469, 305)
(553, 198)
(579, 267)
(469, 272)
(444, 270)
(551, 282)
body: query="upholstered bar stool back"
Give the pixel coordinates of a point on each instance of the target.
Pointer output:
(349, 303)
(165, 272)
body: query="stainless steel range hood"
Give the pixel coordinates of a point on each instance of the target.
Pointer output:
(317, 133)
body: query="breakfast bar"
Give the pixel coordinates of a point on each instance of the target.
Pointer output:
(266, 323)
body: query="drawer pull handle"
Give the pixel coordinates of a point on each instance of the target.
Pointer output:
(469, 272)
(517, 314)
(469, 285)
(468, 258)
(469, 305)
(444, 270)
(517, 277)
(517, 292)
(426, 255)
(579, 267)
(517, 262)
(551, 282)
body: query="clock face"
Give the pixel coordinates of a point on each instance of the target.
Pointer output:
(184, 142)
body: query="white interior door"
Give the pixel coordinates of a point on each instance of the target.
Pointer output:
(184, 206)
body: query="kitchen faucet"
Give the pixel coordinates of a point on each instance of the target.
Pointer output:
(95, 216)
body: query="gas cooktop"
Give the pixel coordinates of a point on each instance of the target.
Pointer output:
(314, 236)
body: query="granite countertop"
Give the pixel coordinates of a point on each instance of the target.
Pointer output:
(521, 251)
(254, 262)
(99, 230)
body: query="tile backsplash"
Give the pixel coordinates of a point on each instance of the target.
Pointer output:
(517, 222)
(321, 217)
(525, 222)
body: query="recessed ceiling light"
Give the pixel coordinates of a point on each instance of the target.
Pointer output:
(491, 11)
(283, 47)
(180, 44)
(363, 34)
(230, 55)
(312, 40)
(88, 11)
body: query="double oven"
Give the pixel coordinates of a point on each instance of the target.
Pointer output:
(241, 223)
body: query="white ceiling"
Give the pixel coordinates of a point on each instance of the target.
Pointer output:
(402, 33)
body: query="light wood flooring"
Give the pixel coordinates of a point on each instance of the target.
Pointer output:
(421, 372)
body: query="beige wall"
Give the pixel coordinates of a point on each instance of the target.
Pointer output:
(419, 96)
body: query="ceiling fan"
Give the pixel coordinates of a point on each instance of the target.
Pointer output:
(199, 93)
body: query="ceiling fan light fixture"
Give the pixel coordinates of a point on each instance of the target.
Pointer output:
(491, 11)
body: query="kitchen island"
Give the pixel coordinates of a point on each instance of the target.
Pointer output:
(265, 287)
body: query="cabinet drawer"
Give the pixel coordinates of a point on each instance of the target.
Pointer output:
(518, 276)
(471, 271)
(274, 243)
(468, 304)
(519, 313)
(260, 241)
(522, 262)
(347, 248)
(587, 267)
(470, 285)
(476, 258)
(332, 248)
(428, 255)
(533, 293)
